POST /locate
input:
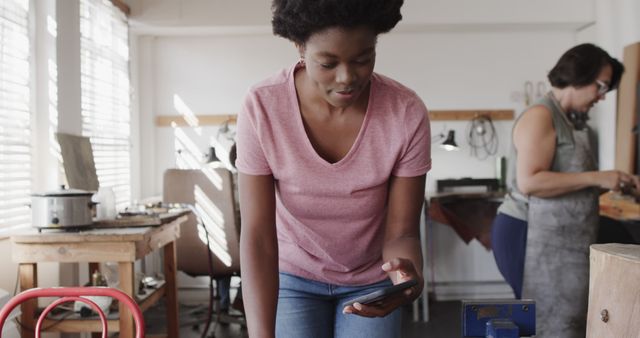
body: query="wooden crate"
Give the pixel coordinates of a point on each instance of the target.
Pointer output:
(614, 291)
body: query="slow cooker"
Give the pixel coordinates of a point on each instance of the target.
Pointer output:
(64, 208)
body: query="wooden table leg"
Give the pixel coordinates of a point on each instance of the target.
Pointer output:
(171, 291)
(125, 275)
(28, 280)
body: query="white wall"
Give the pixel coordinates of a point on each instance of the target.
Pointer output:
(519, 12)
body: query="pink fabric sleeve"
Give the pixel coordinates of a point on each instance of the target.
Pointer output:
(416, 158)
(251, 158)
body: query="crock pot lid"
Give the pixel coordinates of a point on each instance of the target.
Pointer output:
(65, 192)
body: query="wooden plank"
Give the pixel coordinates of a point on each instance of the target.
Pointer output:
(434, 115)
(91, 235)
(465, 115)
(130, 221)
(619, 207)
(98, 233)
(628, 110)
(28, 279)
(80, 325)
(195, 121)
(613, 287)
(170, 271)
(153, 298)
(125, 276)
(73, 252)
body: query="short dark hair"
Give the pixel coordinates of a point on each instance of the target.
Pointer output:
(580, 66)
(297, 20)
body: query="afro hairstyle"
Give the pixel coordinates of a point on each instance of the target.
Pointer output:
(297, 20)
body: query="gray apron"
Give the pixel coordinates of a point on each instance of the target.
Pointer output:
(560, 230)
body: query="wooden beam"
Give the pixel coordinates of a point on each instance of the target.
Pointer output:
(627, 115)
(122, 6)
(197, 121)
(434, 115)
(463, 115)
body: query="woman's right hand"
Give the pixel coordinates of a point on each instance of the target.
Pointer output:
(616, 180)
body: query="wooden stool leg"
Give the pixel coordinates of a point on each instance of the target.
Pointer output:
(171, 290)
(125, 275)
(28, 280)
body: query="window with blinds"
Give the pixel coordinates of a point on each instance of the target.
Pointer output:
(105, 93)
(15, 114)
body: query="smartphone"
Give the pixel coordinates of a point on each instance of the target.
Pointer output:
(382, 293)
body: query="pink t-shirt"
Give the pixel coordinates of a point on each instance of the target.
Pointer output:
(330, 216)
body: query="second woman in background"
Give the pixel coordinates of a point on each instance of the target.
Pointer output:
(542, 233)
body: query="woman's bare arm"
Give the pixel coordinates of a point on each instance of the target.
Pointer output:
(259, 253)
(535, 140)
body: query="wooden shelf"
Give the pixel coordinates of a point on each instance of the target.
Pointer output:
(75, 323)
(434, 115)
(196, 121)
(464, 115)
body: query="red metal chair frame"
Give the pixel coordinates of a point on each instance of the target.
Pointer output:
(70, 294)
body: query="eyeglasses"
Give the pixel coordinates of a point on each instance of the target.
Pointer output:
(603, 88)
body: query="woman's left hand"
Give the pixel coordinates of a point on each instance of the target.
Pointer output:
(399, 270)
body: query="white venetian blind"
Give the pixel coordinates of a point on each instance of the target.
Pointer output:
(105, 93)
(15, 114)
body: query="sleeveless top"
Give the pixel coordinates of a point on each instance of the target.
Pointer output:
(515, 203)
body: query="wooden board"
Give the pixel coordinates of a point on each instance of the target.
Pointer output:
(78, 163)
(434, 115)
(139, 220)
(465, 115)
(73, 252)
(614, 295)
(628, 110)
(616, 206)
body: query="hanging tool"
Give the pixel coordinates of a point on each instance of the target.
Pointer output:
(528, 93)
(541, 89)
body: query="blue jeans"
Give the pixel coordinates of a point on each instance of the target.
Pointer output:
(311, 309)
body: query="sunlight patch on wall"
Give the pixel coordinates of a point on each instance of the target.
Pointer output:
(186, 113)
(188, 155)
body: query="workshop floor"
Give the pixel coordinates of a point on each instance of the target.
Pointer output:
(444, 322)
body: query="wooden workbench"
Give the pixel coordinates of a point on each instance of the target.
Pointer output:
(124, 245)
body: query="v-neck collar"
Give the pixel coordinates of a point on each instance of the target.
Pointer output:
(303, 133)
